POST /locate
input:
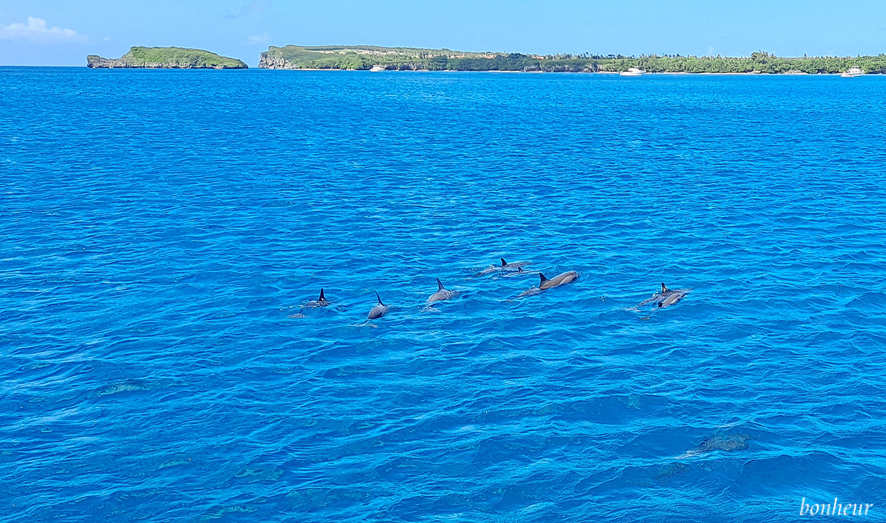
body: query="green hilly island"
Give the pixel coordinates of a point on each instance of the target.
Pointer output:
(166, 58)
(416, 59)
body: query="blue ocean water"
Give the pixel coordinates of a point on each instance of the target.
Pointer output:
(161, 229)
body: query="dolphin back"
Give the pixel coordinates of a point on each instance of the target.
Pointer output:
(671, 298)
(378, 311)
(556, 281)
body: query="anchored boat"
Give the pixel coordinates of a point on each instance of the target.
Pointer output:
(633, 71)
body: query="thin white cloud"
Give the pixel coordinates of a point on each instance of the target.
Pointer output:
(259, 39)
(37, 30)
(254, 7)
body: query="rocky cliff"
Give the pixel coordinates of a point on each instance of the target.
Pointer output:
(274, 62)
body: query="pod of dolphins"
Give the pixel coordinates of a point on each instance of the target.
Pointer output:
(665, 298)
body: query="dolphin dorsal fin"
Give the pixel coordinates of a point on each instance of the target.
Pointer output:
(503, 262)
(664, 288)
(379, 298)
(322, 296)
(543, 279)
(440, 286)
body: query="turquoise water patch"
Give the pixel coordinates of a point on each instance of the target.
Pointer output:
(164, 233)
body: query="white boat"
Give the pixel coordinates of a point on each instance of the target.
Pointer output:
(377, 69)
(633, 71)
(852, 72)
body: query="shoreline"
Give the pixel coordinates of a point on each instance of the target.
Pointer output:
(616, 73)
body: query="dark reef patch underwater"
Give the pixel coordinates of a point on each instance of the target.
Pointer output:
(160, 228)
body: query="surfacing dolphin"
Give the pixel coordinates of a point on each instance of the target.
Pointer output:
(519, 272)
(512, 266)
(441, 294)
(504, 267)
(666, 297)
(313, 304)
(556, 281)
(546, 283)
(379, 310)
(727, 443)
(320, 302)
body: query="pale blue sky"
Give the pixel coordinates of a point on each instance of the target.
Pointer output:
(63, 32)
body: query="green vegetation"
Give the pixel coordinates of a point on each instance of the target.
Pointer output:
(167, 57)
(176, 55)
(760, 62)
(360, 57)
(404, 58)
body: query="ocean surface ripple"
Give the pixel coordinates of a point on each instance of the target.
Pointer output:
(161, 230)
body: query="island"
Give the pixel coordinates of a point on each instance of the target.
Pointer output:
(165, 58)
(375, 58)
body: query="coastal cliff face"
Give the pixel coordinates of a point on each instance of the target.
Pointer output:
(274, 62)
(98, 62)
(165, 58)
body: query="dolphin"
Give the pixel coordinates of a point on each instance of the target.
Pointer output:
(520, 272)
(727, 443)
(666, 297)
(512, 266)
(441, 294)
(320, 302)
(556, 281)
(505, 267)
(669, 297)
(313, 304)
(379, 310)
